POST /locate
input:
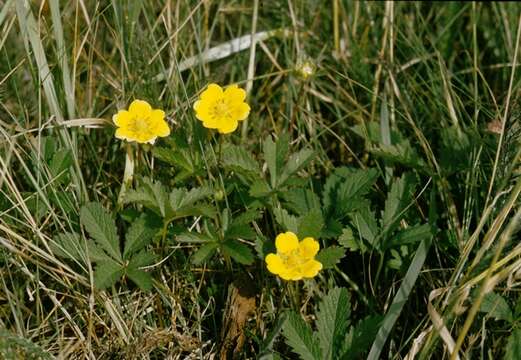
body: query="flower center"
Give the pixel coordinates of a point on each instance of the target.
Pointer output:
(220, 109)
(293, 259)
(141, 125)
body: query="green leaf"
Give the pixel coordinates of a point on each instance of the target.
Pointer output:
(139, 234)
(142, 258)
(194, 238)
(497, 307)
(411, 235)
(101, 227)
(294, 164)
(364, 222)
(310, 224)
(330, 256)
(300, 338)
(398, 199)
(107, 273)
(401, 153)
(513, 348)
(68, 245)
(179, 158)
(287, 221)
(274, 154)
(259, 189)
(140, 278)
(332, 322)
(349, 241)
(60, 163)
(152, 195)
(204, 253)
(194, 195)
(238, 251)
(400, 298)
(237, 158)
(360, 337)
(301, 200)
(345, 189)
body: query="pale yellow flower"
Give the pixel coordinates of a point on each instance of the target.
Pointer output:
(141, 123)
(222, 109)
(294, 260)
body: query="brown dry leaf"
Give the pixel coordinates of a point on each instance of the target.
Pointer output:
(239, 307)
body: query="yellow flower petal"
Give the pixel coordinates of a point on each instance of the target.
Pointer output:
(286, 242)
(235, 93)
(140, 108)
(274, 264)
(311, 268)
(158, 125)
(122, 118)
(242, 111)
(212, 92)
(309, 247)
(124, 134)
(227, 126)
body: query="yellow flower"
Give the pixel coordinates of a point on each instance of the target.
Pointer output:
(294, 260)
(140, 123)
(222, 110)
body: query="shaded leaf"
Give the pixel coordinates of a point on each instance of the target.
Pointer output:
(204, 253)
(141, 278)
(330, 256)
(238, 251)
(497, 307)
(294, 164)
(310, 224)
(106, 274)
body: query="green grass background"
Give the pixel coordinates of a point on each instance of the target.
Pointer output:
(439, 75)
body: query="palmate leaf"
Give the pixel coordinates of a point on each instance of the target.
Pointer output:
(345, 189)
(193, 196)
(497, 307)
(237, 158)
(274, 154)
(106, 273)
(294, 164)
(68, 245)
(360, 337)
(137, 275)
(301, 200)
(398, 199)
(205, 252)
(139, 234)
(102, 228)
(330, 256)
(300, 338)
(287, 221)
(152, 195)
(310, 224)
(364, 222)
(238, 251)
(411, 235)
(333, 321)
